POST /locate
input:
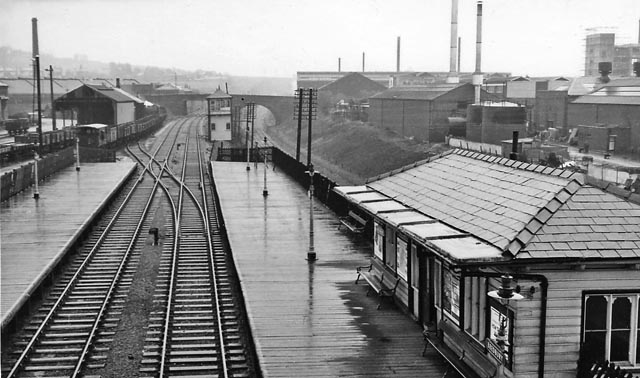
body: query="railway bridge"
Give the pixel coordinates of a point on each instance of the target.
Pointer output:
(280, 106)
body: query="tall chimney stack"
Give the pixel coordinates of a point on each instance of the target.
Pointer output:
(34, 36)
(477, 74)
(363, 61)
(453, 74)
(339, 61)
(398, 56)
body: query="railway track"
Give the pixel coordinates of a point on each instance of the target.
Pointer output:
(72, 329)
(199, 331)
(195, 321)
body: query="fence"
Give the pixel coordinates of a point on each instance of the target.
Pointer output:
(297, 170)
(22, 177)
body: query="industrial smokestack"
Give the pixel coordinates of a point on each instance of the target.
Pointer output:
(34, 35)
(339, 62)
(363, 61)
(453, 74)
(477, 74)
(398, 56)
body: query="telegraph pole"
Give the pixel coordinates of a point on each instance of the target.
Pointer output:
(40, 150)
(313, 102)
(299, 95)
(53, 110)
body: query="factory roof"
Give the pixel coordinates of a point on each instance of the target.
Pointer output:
(617, 92)
(419, 92)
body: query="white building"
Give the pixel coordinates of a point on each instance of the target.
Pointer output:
(219, 115)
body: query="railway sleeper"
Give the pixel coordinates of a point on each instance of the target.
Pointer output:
(193, 368)
(193, 360)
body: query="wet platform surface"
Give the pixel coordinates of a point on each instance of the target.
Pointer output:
(311, 319)
(35, 234)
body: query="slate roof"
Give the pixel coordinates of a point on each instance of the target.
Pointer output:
(592, 224)
(219, 93)
(526, 210)
(114, 94)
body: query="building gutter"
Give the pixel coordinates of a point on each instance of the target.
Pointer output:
(544, 287)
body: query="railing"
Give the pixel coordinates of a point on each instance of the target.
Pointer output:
(322, 185)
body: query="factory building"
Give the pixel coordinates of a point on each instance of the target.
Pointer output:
(420, 112)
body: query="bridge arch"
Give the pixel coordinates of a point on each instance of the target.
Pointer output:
(280, 106)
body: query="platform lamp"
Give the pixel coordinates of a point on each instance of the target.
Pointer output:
(504, 294)
(265, 192)
(311, 255)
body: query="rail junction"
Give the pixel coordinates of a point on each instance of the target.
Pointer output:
(153, 288)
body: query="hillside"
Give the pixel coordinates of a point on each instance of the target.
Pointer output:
(351, 152)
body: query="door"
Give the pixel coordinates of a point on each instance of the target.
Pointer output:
(415, 281)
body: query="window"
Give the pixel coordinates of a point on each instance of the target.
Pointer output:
(402, 247)
(475, 306)
(213, 126)
(611, 328)
(378, 241)
(451, 294)
(228, 126)
(390, 248)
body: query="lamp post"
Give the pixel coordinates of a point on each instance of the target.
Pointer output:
(504, 294)
(311, 255)
(77, 154)
(36, 193)
(265, 192)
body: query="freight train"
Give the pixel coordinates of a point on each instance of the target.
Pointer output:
(17, 126)
(95, 135)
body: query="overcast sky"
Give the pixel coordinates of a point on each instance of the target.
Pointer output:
(280, 37)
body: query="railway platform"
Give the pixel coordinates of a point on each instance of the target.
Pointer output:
(310, 318)
(37, 233)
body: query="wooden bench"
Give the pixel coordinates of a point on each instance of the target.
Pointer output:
(461, 354)
(376, 283)
(353, 222)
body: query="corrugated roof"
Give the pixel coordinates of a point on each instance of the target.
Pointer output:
(421, 92)
(616, 92)
(609, 100)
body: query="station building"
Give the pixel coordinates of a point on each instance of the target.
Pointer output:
(460, 227)
(101, 104)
